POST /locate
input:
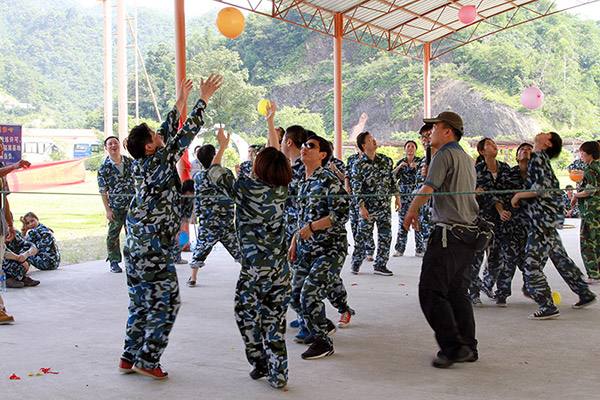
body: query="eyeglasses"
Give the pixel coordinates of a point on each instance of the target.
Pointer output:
(309, 145)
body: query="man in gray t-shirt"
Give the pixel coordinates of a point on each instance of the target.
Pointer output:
(445, 271)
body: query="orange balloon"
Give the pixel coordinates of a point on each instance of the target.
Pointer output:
(230, 22)
(576, 175)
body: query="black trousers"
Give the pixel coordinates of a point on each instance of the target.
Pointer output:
(443, 292)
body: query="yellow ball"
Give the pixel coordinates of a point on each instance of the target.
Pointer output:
(230, 22)
(556, 298)
(262, 107)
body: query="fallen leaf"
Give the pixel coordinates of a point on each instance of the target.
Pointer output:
(14, 377)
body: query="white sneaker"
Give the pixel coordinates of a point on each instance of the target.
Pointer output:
(398, 254)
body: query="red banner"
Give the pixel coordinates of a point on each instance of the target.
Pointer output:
(43, 176)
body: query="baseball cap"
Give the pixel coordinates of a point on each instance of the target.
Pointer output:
(449, 117)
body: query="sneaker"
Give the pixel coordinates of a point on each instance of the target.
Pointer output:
(27, 281)
(181, 261)
(474, 356)
(190, 282)
(545, 314)
(476, 301)
(114, 267)
(382, 271)
(125, 366)
(584, 302)
(354, 270)
(295, 323)
(419, 254)
(464, 354)
(331, 329)
(344, 319)
(258, 372)
(12, 283)
(303, 333)
(154, 373)
(398, 254)
(6, 319)
(370, 259)
(318, 349)
(488, 292)
(501, 302)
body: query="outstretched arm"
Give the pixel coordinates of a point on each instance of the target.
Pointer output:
(273, 138)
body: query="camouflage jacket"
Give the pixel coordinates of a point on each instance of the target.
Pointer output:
(118, 186)
(545, 210)
(156, 207)
(245, 169)
(43, 238)
(567, 206)
(322, 195)
(487, 182)
(291, 206)
(187, 207)
(406, 176)
(258, 217)
(19, 244)
(590, 206)
(373, 182)
(339, 164)
(211, 203)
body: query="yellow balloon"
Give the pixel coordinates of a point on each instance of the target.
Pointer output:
(262, 107)
(556, 298)
(230, 22)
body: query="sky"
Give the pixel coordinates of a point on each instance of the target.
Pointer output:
(195, 8)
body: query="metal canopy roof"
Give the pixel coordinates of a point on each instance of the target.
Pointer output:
(405, 25)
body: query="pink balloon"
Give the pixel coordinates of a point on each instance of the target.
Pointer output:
(467, 14)
(532, 98)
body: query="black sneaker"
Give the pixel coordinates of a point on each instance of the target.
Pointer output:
(383, 271)
(463, 354)
(501, 302)
(114, 267)
(258, 373)
(354, 270)
(331, 329)
(584, 302)
(474, 356)
(488, 292)
(318, 349)
(545, 314)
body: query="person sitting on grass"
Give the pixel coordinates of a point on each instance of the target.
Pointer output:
(16, 262)
(48, 256)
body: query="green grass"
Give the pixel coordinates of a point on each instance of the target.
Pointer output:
(78, 220)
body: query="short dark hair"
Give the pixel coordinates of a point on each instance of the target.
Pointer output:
(187, 186)
(272, 167)
(205, 154)
(458, 134)
(361, 139)
(591, 148)
(111, 137)
(138, 138)
(410, 141)
(569, 187)
(280, 133)
(524, 144)
(324, 147)
(554, 151)
(297, 134)
(425, 128)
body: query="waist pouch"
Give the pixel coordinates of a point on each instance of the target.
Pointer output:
(478, 236)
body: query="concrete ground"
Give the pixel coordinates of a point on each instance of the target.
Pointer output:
(74, 323)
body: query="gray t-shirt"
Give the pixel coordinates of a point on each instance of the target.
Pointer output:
(453, 170)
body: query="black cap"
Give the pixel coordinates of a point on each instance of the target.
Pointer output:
(449, 117)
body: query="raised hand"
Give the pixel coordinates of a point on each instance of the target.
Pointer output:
(223, 138)
(185, 87)
(271, 110)
(210, 86)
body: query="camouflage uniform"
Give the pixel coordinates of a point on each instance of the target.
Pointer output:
(321, 257)
(373, 184)
(487, 210)
(245, 169)
(263, 288)
(48, 256)
(425, 224)
(291, 205)
(543, 241)
(215, 220)
(513, 236)
(153, 221)
(12, 268)
(406, 179)
(354, 214)
(590, 221)
(119, 186)
(567, 206)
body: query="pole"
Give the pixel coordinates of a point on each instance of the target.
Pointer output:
(108, 87)
(426, 81)
(337, 83)
(135, 57)
(122, 67)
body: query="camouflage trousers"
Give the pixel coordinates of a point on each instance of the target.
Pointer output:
(589, 240)
(153, 297)
(113, 243)
(261, 300)
(383, 219)
(354, 220)
(492, 268)
(45, 262)
(425, 224)
(544, 243)
(13, 269)
(512, 255)
(211, 232)
(402, 236)
(318, 270)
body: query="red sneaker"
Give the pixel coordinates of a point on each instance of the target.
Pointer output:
(344, 319)
(155, 373)
(125, 367)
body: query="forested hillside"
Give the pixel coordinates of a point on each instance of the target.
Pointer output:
(51, 73)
